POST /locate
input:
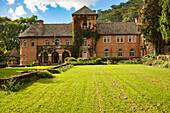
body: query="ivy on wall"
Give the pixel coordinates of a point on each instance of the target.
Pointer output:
(78, 33)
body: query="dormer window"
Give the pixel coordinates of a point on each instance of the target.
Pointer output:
(85, 25)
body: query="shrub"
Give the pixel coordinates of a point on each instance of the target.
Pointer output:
(98, 60)
(163, 57)
(11, 85)
(71, 59)
(65, 68)
(166, 64)
(54, 71)
(81, 59)
(92, 58)
(44, 74)
(130, 62)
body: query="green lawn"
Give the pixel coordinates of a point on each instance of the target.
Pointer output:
(90, 89)
(10, 71)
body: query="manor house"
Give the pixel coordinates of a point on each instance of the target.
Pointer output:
(51, 43)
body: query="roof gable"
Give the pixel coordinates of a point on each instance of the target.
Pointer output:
(84, 11)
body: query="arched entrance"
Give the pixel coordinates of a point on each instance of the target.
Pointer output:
(64, 55)
(44, 57)
(55, 57)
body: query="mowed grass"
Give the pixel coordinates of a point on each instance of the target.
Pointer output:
(94, 89)
(10, 71)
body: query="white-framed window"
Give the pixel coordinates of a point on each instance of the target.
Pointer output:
(67, 42)
(47, 42)
(119, 39)
(85, 43)
(107, 39)
(132, 53)
(132, 39)
(57, 42)
(24, 58)
(106, 53)
(122, 39)
(104, 39)
(32, 43)
(168, 49)
(25, 43)
(120, 53)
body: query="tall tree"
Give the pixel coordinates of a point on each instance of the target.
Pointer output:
(9, 30)
(165, 20)
(150, 14)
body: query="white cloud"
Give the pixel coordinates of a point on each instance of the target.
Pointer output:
(18, 12)
(11, 1)
(68, 4)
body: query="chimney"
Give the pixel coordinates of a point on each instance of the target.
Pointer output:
(136, 20)
(41, 22)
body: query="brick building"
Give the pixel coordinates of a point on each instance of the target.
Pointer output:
(51, 43)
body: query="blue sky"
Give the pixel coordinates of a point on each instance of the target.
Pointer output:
(51, 11)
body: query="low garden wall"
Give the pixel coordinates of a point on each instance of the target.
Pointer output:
(19, 77)
(26, 75)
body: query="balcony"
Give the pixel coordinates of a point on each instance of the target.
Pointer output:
(51, 48)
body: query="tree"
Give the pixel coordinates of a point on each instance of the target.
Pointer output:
(165, 20)
(127, 20)
(117, 13)
(9, 30)
(150, 14)
(4, 56)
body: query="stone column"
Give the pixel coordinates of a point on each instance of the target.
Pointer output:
(49, 58)
(60, 57)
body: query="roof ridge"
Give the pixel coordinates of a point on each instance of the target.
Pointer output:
(116, 22)
(91, 11)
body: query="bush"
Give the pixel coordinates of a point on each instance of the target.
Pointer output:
(163, 57)
(71, 59)
(54, 71)
(130, 62)
(11, 85)
(98, 60)
(65, 68)
(81, 59)
(166, 64)
(44, 74)
(92, 58)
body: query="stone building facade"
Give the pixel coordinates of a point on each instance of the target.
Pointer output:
(52, 43)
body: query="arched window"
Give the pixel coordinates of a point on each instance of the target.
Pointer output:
(25, 43)
(32, 43)
(120, 53)
(57, 42)
(85, 24)
(89, 25)
(132, 53)
(47, 42)
(106, 53)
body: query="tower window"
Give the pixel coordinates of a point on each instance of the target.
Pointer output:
(85, 25)
(89, 25)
